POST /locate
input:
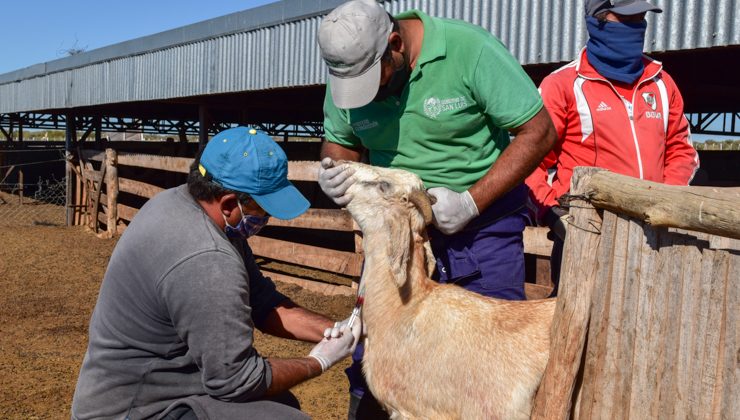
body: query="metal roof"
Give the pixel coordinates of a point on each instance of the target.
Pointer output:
(274, 46)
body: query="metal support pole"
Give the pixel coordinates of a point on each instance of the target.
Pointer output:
(204, 121)
(98, 132)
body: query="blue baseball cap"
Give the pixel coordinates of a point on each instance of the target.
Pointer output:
(246, 160)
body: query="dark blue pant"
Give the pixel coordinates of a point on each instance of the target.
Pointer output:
(487, 257)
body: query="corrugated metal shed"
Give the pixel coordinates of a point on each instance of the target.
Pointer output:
(274, 46)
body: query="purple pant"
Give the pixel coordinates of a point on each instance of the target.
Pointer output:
(487, 257)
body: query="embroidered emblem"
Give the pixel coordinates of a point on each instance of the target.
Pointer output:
(364, 125)
(434, 106)
(650, 100)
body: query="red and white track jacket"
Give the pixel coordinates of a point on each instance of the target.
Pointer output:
(646, 136)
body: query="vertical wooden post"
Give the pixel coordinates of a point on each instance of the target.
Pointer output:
(20, 186)
(111, 181)
(78, 196)
(570, 323)
(69, 139)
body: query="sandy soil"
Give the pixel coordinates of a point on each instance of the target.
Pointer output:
(50, 276)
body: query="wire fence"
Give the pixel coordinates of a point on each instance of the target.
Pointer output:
(38, 198)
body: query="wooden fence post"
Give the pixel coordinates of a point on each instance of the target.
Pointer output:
(20, 186)
(111, 182)
(570, 323)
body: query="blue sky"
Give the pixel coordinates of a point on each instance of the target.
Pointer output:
(36, 31)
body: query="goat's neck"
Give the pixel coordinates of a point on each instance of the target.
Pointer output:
(382, 295)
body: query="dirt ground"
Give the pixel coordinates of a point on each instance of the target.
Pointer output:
(49, 278)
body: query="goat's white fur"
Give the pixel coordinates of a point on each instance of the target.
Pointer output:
(432, 350)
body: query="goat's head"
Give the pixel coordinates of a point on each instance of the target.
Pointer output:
(390, 202)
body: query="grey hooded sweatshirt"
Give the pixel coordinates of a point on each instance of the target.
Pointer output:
(175, 316)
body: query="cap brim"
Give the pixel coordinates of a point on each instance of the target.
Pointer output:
(286, 203)
(636, 8)
(354, 92)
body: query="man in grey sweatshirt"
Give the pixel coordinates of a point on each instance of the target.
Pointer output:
(171, 334)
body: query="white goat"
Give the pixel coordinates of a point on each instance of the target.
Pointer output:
(437, 351)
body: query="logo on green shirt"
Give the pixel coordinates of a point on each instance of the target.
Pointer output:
(434, 106)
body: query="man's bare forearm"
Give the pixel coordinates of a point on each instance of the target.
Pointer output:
(338, 152)
(532, 141)
(287, 373)
(289, 320)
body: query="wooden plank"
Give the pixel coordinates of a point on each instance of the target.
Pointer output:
(536, 242)
(314, 286)
(102, 218)
(111, 184)
(613, 242)
(92, 175)
(303, 171)
(326, 219)
(709, 367)
(341, 262)
(700, 323)
(126, 212)
(89, 154)
(568, 331)
(164, 163)
(142, 189)
(647, 329)
(687, 314)
(730, 404)
(627, 325)
(670, 279)
(702, 209)
(96, 194)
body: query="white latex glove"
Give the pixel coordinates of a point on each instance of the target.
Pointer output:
(331, 350)
(334, 331)
(334, 181)
(453, 210)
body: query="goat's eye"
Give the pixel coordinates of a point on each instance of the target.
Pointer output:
(384, 186)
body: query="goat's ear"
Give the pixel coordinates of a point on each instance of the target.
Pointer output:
(400, 249)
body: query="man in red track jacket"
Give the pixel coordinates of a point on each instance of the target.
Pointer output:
(612, 108)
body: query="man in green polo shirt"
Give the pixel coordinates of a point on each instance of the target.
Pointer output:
(437, 97)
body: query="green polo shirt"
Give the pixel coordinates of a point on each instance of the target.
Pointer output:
(450, 123)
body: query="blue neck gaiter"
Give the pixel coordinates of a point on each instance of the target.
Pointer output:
(615, 49)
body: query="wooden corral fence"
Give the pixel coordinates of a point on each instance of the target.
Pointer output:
(97, 202)
(648, 318)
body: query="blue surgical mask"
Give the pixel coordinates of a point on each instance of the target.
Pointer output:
(249, 225)
(615, 48)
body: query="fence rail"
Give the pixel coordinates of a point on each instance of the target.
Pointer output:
(98, 172)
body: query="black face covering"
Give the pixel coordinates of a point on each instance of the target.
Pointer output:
(395, 84)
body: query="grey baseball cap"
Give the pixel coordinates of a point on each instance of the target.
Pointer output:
(620, 7)
(352, 39)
